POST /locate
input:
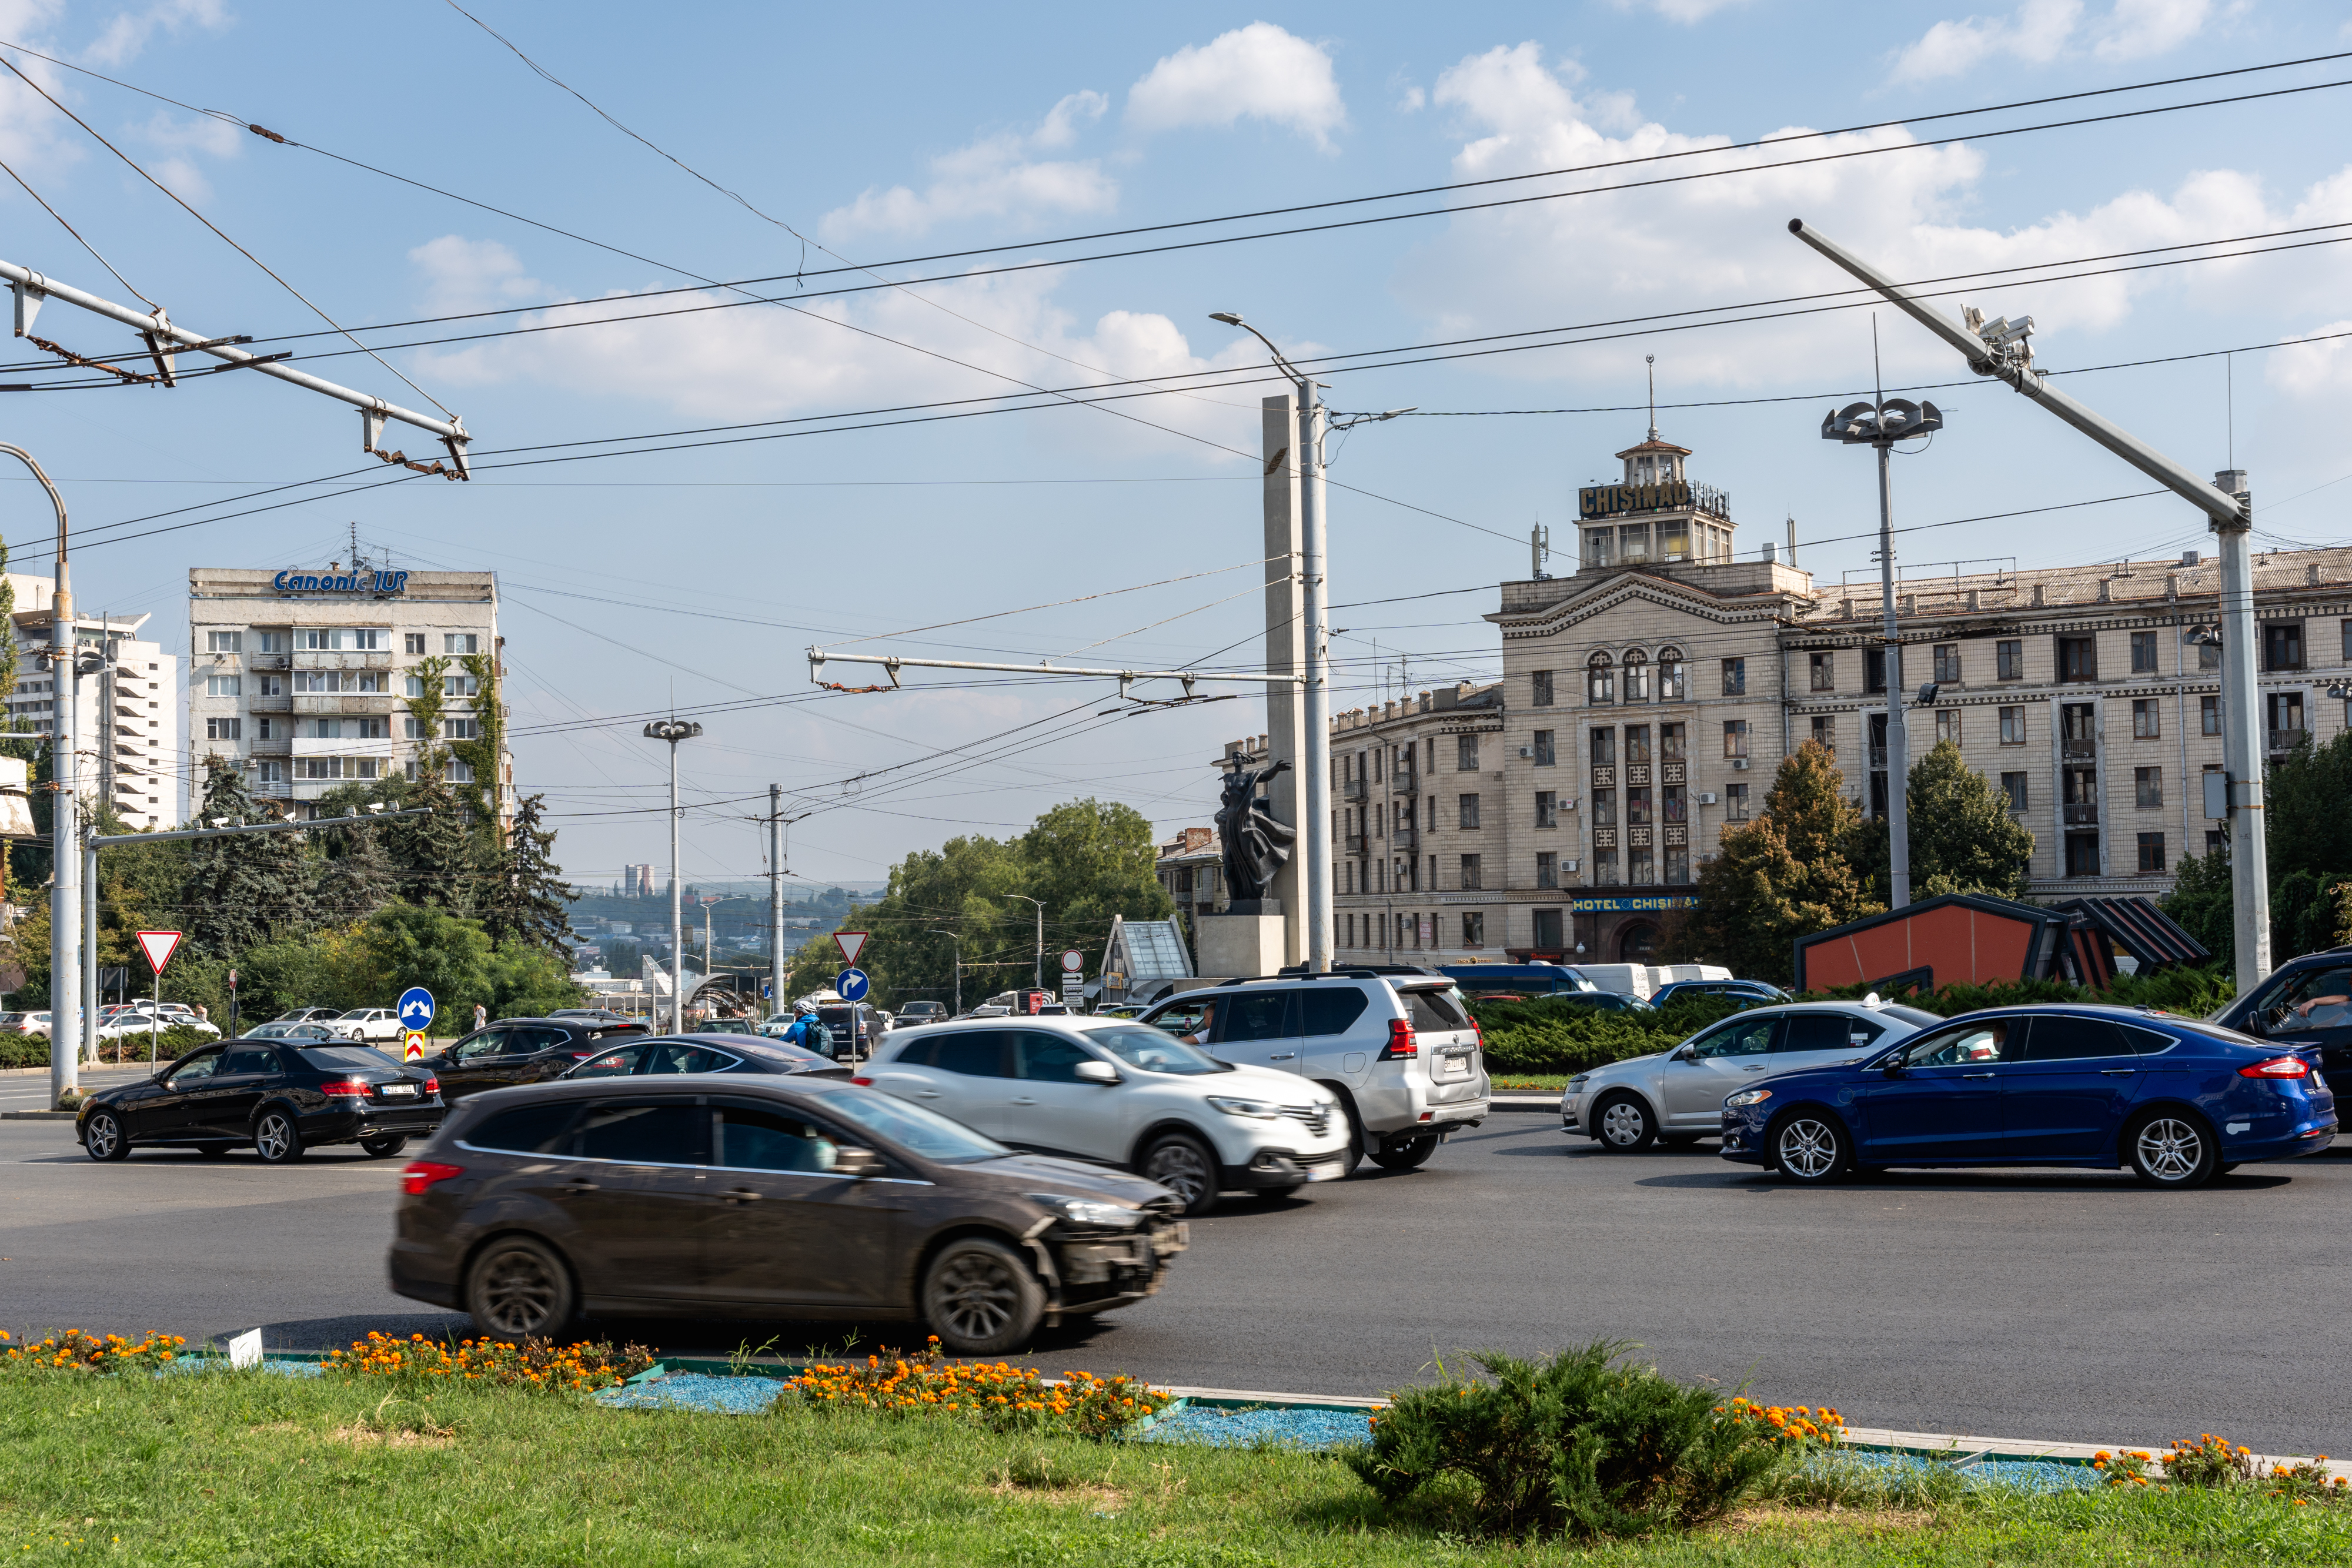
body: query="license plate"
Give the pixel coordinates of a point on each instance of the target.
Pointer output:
(408, 1088)
(1453, 1064)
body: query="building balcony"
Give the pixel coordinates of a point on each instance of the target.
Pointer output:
(266, 661)
(318, 659)
(1355, 788)
(1404, 838)
(1405, 782)
(270, 705)
(341, 702)
(2285, 740)
(1355, 843)
(2078, 748)
(2080, 813)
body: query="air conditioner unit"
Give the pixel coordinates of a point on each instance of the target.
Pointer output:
(1571, 865)
(1707, 799)
(1527, 751)
(1739, 765)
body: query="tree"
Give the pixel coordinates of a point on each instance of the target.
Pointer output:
(1091, 859)
(525, 900)
(437, 859)
(1962, 838)
(1784, 875)
(2202, 903)
(240, 891)
(407, 944)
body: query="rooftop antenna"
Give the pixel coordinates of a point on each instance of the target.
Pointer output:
(1652, 360)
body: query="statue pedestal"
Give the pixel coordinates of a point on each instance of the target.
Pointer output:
(1236, 944)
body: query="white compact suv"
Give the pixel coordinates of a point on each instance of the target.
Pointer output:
(1401, 1052)
(1117, 1094)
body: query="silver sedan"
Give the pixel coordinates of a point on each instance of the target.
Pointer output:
(1677, 1096)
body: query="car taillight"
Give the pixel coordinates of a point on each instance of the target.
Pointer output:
(422, 1174)
(432, 1084)
(868, 1082)
(1477, 1034)
(1402, 1043)
(582, 1055)
(2277, 1067)
(351, 1088)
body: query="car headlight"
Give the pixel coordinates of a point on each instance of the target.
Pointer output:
(1090, 1212)
(1264, 1111)
(1578, 1082)
(1747, 1097)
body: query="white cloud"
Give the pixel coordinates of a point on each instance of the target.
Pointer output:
(992, 178)
(128, 34)
(2305, 368)
(463, 274)
(1683, 11)
(1722, 241)
(759, 361)
(1259, 71)
(2041, 31)
(181, 142)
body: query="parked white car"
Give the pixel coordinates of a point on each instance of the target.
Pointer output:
(369, 1026)
(1677, 1096)
(144, 1017)
(1123, 1094)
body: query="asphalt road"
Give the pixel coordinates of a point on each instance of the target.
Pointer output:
(2057, 1305)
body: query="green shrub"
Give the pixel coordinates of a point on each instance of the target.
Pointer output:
(32, 1049)
(24, 1051)
(1584, 1443)
(1557, 1034)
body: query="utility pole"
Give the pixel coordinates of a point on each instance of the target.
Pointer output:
(1040, 982)
(956, 942)
(674, 730)
(2000, 348)
(775, 899)
(64, 912)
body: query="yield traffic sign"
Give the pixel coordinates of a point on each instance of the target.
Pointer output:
(159, 945)
(851, 944)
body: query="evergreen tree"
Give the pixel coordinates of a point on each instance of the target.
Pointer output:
(241, 890)
(438, 859)
(356, 876)
(527, 901)
(1963, 839)
(1784, 875)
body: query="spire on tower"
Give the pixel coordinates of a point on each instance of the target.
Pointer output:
(1652, 360)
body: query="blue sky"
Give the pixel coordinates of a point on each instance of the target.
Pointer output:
(697, 576)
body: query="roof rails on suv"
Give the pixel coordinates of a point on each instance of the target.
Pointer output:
(1366, 972)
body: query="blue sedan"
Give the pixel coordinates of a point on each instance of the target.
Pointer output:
(2177, 1101)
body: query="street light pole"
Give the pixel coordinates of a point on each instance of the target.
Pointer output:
(955, 942)
(775, 899)
(674, 730)
(1040, 982)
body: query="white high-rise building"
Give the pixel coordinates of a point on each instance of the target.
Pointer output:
(129, 722)
(309, 679)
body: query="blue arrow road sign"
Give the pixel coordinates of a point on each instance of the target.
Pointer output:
(852, 984)
(416, 1008)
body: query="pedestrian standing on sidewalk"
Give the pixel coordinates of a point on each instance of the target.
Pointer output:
(481, 1015)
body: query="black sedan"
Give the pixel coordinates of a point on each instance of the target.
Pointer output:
(764, 1197)
(279, 1097)
(706, 1053)
(523, 1050)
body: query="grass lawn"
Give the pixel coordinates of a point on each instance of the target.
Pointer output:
(1529, 1082)
(232, 1468)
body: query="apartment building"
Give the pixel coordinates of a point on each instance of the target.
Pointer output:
(304, 678)
(129, 715)
(1649, 697)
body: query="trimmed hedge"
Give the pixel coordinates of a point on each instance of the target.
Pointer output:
(32, 1049)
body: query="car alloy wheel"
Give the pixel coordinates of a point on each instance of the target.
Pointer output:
(1625, 1125)
(2172, 1152)
(1184, 1168)
(1808, 1148)
(104, 1139)
(981, 1299)
(519, 1289)
(276, 1139)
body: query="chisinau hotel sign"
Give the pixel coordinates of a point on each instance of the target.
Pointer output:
(1609, 500)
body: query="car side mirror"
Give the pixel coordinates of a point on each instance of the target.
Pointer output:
(1685, 1053)
(856, 1163)
(1096, 1073)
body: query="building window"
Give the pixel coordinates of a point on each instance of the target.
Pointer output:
(1637, 745)
(2082, 854)
(1471, 880)
(318, 640)
(2347, 628)
(2151, 851)
(1671, 799)
(2285, 712)
(216, 685)
(1605, 868)
(414, 729)
(2009, 660)
(2143, 653)
(1734, 737)
(1677, 859)
(412, 643)
(223, 641)
(1540, 680)
(1605, 808)
(1637, 807)
(1546, 808)
(2078, 658)
(1641, 870)
(1673, 675)
(460, 772)
(458, 729)
(1824, 672)
(1670, 742)
(1547, 869)
(1874, 669)
(1605, 747)
(460, 643)
(1543, 748)
(1947, 725)
(2147, 788)
(2209, 715)
(320, 729)
(307, 681)
(1735, 802)
(270, 686)
(2013, 786)
(269, 772)
(1600, 680)
(2217, 842)
(2013, 727)
(368, 639)
(1735, 671)
(1469, 805)
(263, 728)
(223, 729)
(464, 686)
(1947, 663)
(1637, 676)
(271, 642)
(415, 686)
(1474, 928)
(1547, 931)
(2282, 645)
(2147, 718)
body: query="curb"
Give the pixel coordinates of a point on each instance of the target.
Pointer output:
(38, 1115)
(1523, 1102)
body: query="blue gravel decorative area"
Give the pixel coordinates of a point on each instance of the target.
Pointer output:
(220, 1364)
(696, 1391)
(2024, 1475)
(1218, 1426)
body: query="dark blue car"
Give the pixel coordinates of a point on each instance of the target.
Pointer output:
(2177, 1101)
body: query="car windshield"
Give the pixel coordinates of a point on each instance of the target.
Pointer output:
(926, 1132)
(344, 1059)
(1147, 1050)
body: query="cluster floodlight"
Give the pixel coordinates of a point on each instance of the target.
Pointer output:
(1894, 419)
